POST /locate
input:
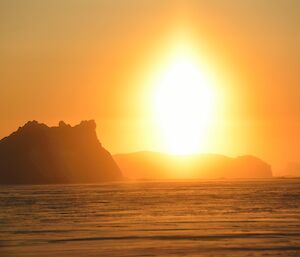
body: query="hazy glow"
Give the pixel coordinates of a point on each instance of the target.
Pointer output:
(184, 101)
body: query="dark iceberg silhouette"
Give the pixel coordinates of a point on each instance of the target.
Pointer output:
(38, 154)
(153, 165)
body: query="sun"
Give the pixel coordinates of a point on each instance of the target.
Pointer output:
(184, 102)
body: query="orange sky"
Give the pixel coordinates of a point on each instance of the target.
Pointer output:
(74, 60)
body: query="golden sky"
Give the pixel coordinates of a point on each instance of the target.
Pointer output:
(75, 60)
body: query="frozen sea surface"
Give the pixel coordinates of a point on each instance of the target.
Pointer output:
(163, 218)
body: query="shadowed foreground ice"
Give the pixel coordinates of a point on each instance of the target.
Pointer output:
(183, 218)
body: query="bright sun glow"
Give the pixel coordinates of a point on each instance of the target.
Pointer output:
(184, 102)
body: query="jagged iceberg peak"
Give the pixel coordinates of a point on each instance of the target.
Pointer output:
(36, 154)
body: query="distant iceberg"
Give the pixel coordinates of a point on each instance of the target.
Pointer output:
(153, 165)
